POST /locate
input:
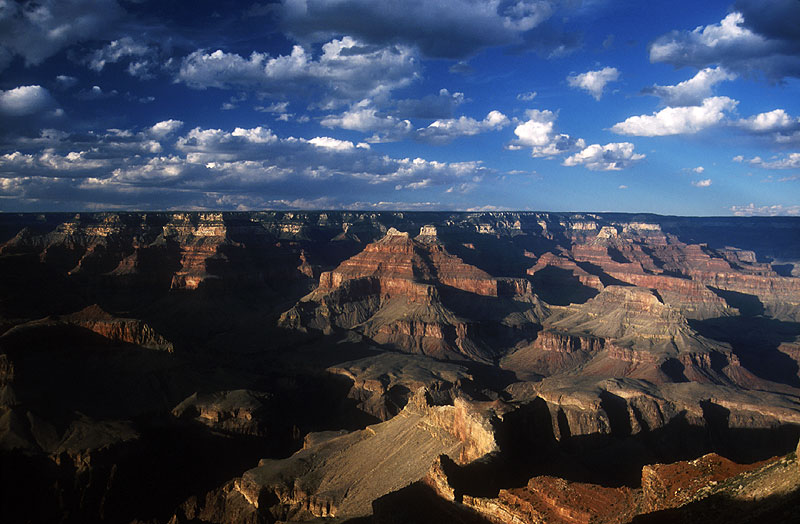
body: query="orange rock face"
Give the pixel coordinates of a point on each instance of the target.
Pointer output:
(667, 486)
(127, 330)
(399, 262)
(392, 292)
(557, 501)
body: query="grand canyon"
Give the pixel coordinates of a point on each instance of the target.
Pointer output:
(382, 367)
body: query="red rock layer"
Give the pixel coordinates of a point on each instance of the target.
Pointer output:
(401, 264)
(691, 297)
(558, 501)
(126, 330)
(554, 500)
(671, 485)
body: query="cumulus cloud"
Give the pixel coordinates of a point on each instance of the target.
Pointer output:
(775, 120)
(759, 36)
(749, 210)
(777, 124)
(538, 133)
(346, 70)
(36, 30)
(594, 82)
(165, 128)
(443, 131)
(693, 91)
(678, 120)
(610, 157)
(454, 29)
(699, 170)
(366, 119)
(527, 96)
(702, 183)
(333, 144)
(25, 100)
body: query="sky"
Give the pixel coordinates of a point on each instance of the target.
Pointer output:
(680, 108)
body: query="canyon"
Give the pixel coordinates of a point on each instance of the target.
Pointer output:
(503, 367)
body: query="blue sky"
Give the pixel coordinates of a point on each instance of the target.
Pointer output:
(687, 108)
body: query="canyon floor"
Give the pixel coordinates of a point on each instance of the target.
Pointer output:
(260, 367)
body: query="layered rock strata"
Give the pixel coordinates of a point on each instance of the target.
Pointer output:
(396, 291)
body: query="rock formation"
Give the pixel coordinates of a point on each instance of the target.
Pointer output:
(501, 367)
(339, 475)
(397, 292)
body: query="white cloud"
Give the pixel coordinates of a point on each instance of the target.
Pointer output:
(165, 128)
(346, 70)
(678, 120)
(527, 96)
(594, 81)
(25, 100)
(366, 119)
(691, 92)
(326, 142)
(702, 183)
(770, 211)
(727, 33)
(790, 161)
(775, 120)
(256, 135)
(733, 45)
(442, 131)
(610, 157)
(538, 133)
(699, 170)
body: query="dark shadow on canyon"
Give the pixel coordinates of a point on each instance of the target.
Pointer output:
(756, 341)
(530, 448)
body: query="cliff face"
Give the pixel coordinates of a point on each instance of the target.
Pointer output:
(398, 291)
(493, 367)
(333, 475)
